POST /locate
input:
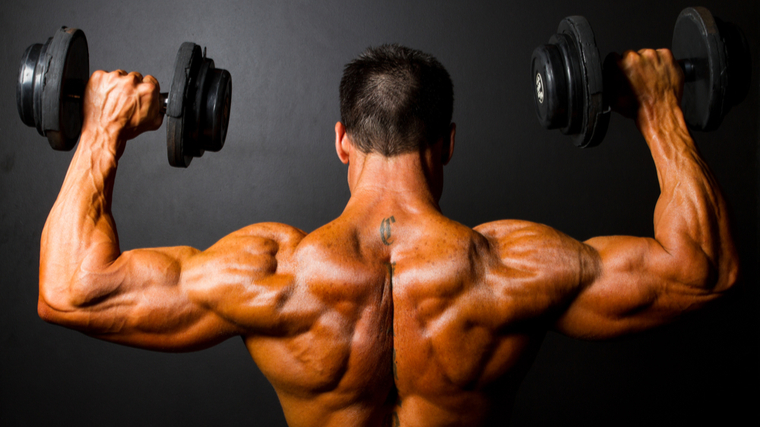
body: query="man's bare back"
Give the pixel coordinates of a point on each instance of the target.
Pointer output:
(392, 313)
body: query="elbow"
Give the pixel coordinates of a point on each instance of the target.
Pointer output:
(61, 312)
(46, 312)
(729, 272)
(60, 302)
(52, 298)
(713, 276)
(724, 271)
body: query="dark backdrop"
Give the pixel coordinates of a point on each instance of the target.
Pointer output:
(279, 165)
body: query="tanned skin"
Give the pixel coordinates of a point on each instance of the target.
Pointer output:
(392, 314)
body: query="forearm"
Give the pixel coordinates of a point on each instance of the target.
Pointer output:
(79, 238)
(691, 221)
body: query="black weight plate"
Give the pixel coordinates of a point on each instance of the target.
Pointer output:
(696, 38)
(594, 116)
(40, 72)
(216, 102)
(25, 84)
(572, 67)
(68, 69)
(739, 59)
(197, 128)
(221, 101)
(186, 66)
(550, 93)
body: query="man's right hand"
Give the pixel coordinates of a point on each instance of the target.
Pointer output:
(653, 86)
(122, 105)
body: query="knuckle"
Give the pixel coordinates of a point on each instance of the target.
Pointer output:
(148, 88)
(150, 79)
(113, 77)
(134, 77)
(629, 56)
(666, 53)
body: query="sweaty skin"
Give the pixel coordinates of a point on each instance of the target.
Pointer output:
(392, 314)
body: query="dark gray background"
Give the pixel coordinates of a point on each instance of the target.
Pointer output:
(279, 165)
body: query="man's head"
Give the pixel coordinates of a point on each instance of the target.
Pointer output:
(395, 100)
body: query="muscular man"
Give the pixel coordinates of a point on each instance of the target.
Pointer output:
(392, 313)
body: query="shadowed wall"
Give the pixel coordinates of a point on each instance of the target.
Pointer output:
(278, 164)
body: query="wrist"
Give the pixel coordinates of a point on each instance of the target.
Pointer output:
(662, 118)
(106, 143)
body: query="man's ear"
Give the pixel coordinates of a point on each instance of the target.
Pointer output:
(342, 143)
(447, 150)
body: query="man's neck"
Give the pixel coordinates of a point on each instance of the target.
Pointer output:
(411, 180)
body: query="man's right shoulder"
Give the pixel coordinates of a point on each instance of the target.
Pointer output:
(274, 231)
(271, 238)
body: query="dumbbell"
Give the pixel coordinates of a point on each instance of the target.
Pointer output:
(572, 88)
(50, 90)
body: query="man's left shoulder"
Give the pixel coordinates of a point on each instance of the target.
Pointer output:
(513, 228)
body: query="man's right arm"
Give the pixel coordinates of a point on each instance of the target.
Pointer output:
(172, 299)
(638, 283)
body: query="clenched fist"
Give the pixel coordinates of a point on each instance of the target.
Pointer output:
(121, 104)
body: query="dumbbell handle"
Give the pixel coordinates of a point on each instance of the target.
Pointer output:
(163, 101)
(687, 65)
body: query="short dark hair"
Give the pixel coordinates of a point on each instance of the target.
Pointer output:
(394, 100)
